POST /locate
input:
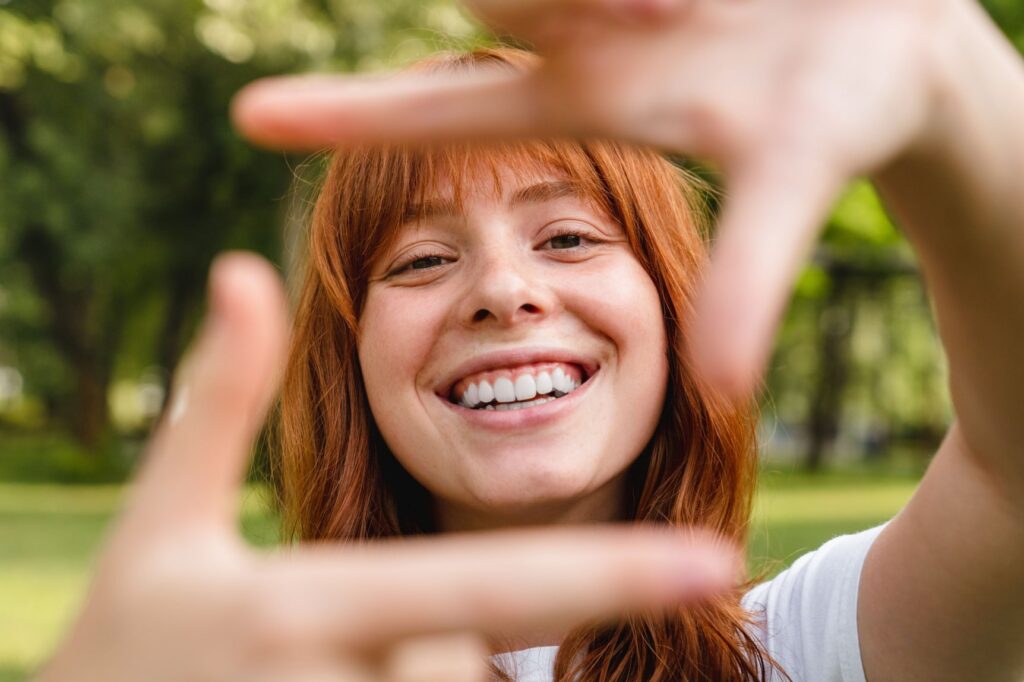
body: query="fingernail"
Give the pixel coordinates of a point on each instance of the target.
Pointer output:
(231, 277)
(219, 288)
(179, 405)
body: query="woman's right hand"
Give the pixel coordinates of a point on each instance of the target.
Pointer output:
(790, 100)
(178, 596)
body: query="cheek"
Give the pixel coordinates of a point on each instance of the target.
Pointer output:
(644, 346)
(396, 334)
(621, 301)
(643, 360)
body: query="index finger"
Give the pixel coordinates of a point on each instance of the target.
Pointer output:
(315, 112)
(500, 583)
(490, 100)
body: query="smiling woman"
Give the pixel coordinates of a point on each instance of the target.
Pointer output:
(437, 270)
(448, 284)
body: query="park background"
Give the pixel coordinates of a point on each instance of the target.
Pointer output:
(121, 178)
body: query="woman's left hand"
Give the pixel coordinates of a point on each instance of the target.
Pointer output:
(790, 99)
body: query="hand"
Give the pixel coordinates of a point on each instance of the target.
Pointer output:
(790, 98)
(178, 596)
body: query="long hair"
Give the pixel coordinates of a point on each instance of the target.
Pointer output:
(336, 478)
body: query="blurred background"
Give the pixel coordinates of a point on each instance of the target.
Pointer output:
(121, 178)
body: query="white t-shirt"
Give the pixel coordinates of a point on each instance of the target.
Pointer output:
(810, 617)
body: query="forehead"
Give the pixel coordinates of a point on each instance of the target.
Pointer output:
(527, 173)
(513, 191)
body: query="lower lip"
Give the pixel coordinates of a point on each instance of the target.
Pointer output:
(527, 417)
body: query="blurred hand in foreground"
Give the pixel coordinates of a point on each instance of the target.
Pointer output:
(790, 99)
(178, 596)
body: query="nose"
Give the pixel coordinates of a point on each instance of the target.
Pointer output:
(506, 293)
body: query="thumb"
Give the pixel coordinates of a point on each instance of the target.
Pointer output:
(199, 453)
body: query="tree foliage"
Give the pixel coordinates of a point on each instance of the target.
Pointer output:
(123, 177)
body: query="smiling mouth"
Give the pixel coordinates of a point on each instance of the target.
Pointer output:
(518, 389)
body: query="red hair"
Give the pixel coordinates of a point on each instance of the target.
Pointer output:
(337, 479)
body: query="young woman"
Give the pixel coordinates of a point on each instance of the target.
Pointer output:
(560, 280)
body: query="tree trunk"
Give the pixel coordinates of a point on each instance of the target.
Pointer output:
(86, 414)
(91, 420)
(826, 408)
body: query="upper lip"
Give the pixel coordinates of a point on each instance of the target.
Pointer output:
(512, 358)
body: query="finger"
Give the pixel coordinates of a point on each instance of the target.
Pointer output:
(314, 112)
(199, 453)
(503, 583)
(438, 658)
(775, 209)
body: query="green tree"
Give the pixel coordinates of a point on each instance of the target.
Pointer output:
(123, 178)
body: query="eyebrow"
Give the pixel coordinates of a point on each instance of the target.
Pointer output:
(537, 193)
(545, 191)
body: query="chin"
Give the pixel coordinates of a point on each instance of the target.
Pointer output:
(543, 494)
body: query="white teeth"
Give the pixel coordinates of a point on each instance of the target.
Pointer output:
(485, 393)
(469, 398)
(524, 391)
(504, 391)
(526, 387)
(559, 381)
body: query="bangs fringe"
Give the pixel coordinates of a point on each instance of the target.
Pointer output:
(399, 179)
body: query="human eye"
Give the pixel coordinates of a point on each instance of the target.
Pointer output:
(419, 262)
(569, 238)
(566, 241)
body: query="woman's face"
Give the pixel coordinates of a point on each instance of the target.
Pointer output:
(479, 319)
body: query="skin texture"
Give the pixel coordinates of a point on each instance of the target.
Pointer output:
(505, 277)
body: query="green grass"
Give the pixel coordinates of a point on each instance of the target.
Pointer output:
(795, 513)
(49, 535)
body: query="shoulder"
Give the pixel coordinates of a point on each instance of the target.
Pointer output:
(807, 615)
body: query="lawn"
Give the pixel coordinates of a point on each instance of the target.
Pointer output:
(49, 534)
